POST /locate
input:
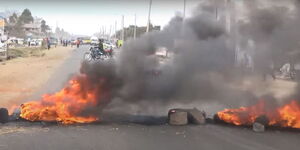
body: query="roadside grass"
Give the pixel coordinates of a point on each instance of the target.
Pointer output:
(26, 52)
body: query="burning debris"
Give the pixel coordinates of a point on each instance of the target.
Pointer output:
(68, 106)
(202, 69)
(260, 115)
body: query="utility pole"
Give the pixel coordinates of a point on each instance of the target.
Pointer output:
(115, 29)
(123, 32)
(228, 16)
(216, 10)
(134, 32)
(100, 31)
(110, 28)
(105, 32)
(184, 6)
(149, 15)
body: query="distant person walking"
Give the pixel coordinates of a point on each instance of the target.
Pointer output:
(64, 43)
(28, 42)
(110, 52)
(117, 43)
(77, 43)
(101, 49)
(48, 43)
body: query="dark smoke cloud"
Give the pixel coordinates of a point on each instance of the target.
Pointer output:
(203, 67)
(274, 30)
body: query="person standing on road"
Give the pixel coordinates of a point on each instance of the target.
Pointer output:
(28, 42)
(110, 52)
(48, 43)
(101, 46)
(117, 45)
(77, 43)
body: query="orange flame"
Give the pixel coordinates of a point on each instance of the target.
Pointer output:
(65, 106)
(287, 115)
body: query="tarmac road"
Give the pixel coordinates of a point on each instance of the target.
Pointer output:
(69, 68)
(134, 136)
(128, 136)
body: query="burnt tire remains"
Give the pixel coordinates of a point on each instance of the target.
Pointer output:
(260, 124)
(258, 127)
(185, 116)
(178, 118)
(196, 116)
(4, 115)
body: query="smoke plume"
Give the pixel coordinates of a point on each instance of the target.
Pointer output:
(202, 67)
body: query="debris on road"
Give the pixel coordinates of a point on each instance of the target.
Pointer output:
(180, 133)
(258, 127)
(185, 116)
(196, 116)
(8, 130)
(4, 115)
(15, 115)
(260, 123)
(178, 118)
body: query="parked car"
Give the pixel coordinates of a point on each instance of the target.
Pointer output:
(33, 42)
(53, 41)
(3, 52)
(94, 41)
(108, 45)
(286, 72)
(39, 41)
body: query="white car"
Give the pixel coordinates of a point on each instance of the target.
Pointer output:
(39, 41)
(2, 45)
(33, 43)
(108, 45)
(94, 41)
(3, 50)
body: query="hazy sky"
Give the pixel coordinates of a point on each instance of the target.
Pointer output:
(89, 16)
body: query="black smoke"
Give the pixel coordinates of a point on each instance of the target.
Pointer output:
(203, 63)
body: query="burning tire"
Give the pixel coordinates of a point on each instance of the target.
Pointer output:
(3, 115)
(260, 124)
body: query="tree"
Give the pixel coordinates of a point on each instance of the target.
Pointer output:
(13, 18)
(129, 31)
(25, 17)
(57, 30)
(61, 33)
(44, 26)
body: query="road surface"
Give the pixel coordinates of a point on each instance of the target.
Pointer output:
(134, 136)
(69, 68)
(127, 136)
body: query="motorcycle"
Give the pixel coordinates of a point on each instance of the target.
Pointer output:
(291, 75)
(94, 54)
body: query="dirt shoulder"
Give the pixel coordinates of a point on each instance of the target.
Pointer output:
(21, 77)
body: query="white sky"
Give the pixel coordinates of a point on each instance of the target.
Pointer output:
(90, 16)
